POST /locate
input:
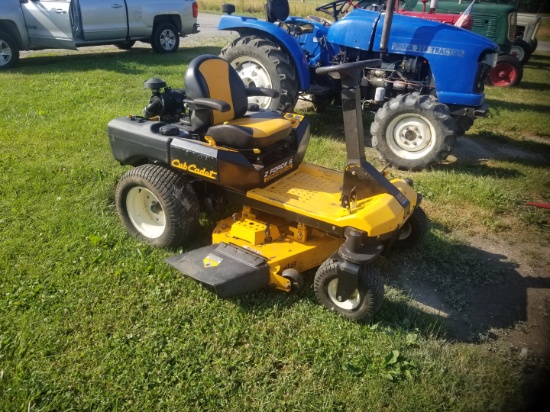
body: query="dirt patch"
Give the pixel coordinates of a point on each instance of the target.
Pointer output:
(513, 312)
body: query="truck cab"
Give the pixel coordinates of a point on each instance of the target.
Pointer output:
(69, 24)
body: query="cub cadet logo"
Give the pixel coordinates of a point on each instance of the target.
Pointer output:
(194, 169)
(277, 170)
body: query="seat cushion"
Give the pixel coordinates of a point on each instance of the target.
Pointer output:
(251, 132)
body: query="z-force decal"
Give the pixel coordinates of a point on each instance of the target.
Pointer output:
(278, 170)
(192, 168)
(419, 48)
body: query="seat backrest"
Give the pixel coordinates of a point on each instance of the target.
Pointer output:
(276, 10)
(213, 77)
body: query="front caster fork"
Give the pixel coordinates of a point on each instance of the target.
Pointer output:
(356, 251)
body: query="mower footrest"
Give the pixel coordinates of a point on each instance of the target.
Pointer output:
(230, 270)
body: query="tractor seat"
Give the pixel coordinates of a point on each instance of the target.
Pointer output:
(218, 101)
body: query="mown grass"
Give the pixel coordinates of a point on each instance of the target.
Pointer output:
(90, 319)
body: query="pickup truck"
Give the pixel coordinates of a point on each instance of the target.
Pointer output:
(69, 24)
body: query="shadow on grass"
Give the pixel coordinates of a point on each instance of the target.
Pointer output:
(472, 153)
(457, 291)
(106, 59)
(513, 106)
(474, 291)
(532, 86)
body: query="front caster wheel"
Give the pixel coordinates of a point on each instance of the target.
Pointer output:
(362, 303)
(157, 206)
(413, 231)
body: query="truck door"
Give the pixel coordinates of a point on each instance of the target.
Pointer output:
(48, 23)
(103, 19)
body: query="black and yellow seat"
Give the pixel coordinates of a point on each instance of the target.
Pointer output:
(218, 102)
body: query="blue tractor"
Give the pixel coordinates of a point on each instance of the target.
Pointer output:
(427, 92)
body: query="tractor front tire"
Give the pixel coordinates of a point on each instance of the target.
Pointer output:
(157, 206)
(364, 301)
(413, 131)
(262, 63)
(521, 50)
(507, 72)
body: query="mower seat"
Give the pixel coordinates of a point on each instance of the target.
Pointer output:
(218, 103)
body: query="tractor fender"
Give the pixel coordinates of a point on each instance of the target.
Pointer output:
(251, 25)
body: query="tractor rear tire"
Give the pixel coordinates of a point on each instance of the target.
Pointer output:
(9, 51)
(413, 131)
(365, 300)
(507, 72)
(157, 206)
(262, 63)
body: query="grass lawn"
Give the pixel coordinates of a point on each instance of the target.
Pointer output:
(91, 319)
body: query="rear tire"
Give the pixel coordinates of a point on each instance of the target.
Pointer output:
(507, 72)
(365, 300)
(413, 131)
(262, 63)
(157, 205)
(165, 38)
(9, 51)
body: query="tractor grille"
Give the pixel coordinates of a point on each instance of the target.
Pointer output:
(486, 23)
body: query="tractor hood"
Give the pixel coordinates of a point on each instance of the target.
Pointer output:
(362, 29)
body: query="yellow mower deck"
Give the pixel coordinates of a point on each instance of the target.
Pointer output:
(314, 192)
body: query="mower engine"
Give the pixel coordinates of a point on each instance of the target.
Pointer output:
(165, 102)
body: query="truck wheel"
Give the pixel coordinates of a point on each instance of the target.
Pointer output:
(165, 38)
(157, 206)
(413, 131)
(507, 72)
(364, 301)
(9, 51)
(262, 63)
(413, 231)
(127, 45)
(521, 50)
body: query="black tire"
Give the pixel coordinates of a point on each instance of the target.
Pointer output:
(413, 131)
(521, 50)
(508, 72)
(157, 205)
(127, 45)
(165, 38)
(262, 63)
(463, 124)
(534, 45)
(366, 299)
(9, 51)
(413, 231)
